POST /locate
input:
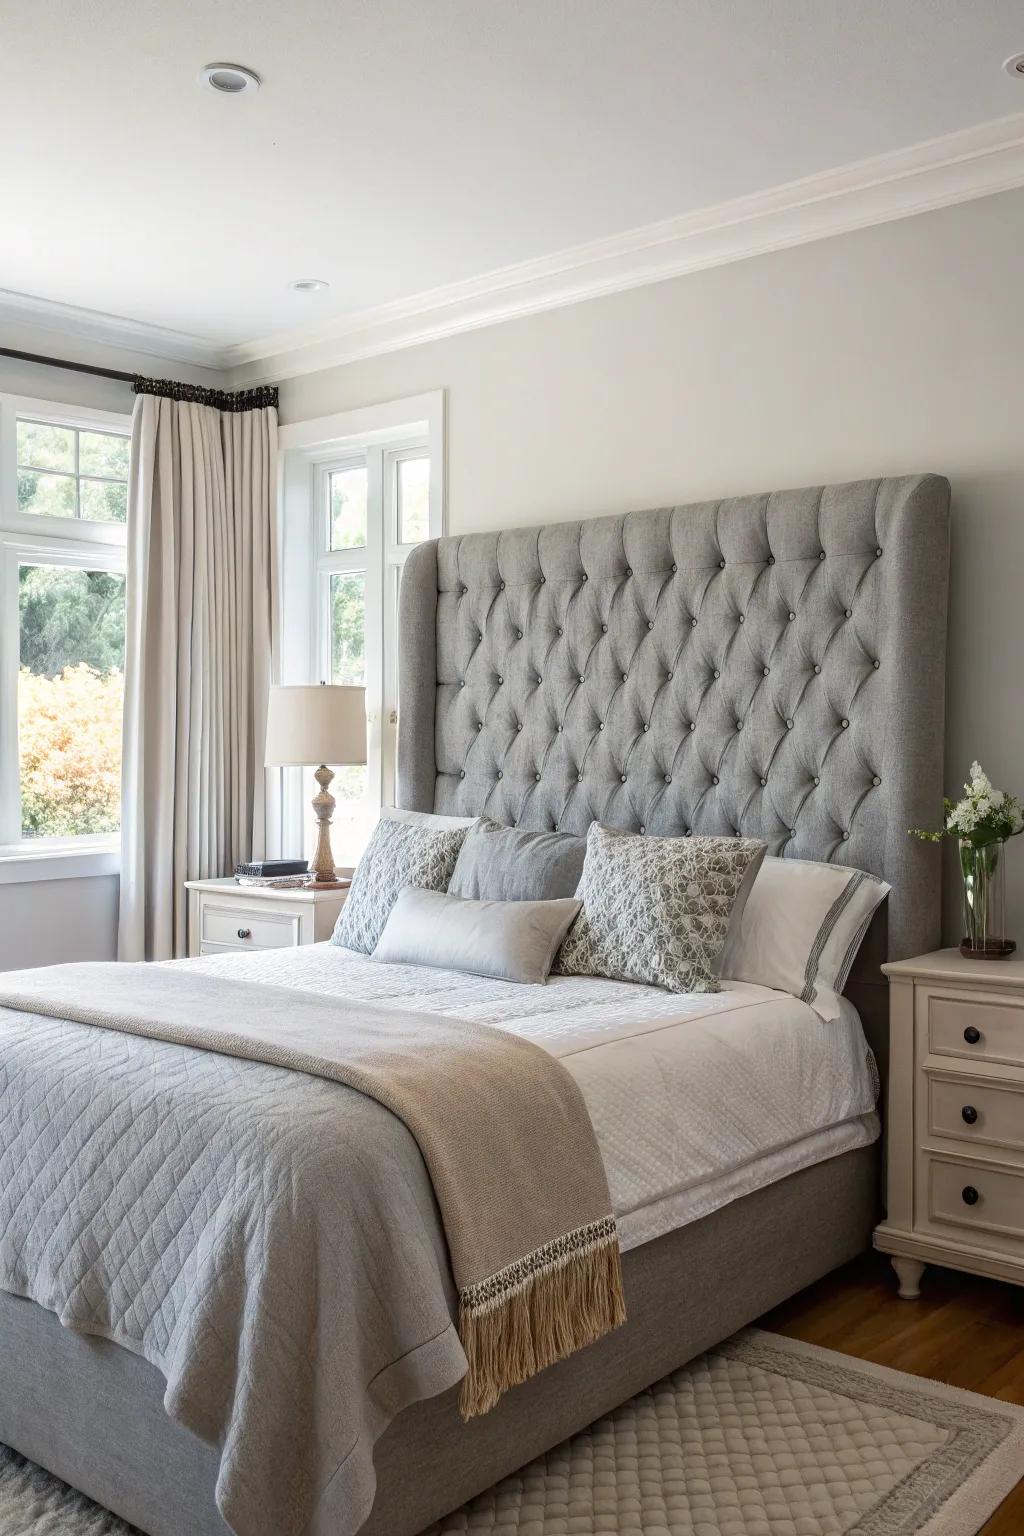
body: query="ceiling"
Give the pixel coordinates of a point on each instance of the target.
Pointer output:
(399, 145)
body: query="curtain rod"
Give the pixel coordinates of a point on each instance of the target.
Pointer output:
(257, 398)
(63, 362)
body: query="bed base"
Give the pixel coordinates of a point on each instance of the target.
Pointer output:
(93, 1414)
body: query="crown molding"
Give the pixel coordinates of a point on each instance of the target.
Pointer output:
(28, 316)
(971, 163)
(974, 162)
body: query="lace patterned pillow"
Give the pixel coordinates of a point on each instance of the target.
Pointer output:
(656, 909)
(399, 854)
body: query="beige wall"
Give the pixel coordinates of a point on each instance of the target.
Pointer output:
(891, 350)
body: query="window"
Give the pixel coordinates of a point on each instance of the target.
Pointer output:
(63, 505)
(354, 505)
(65, 472)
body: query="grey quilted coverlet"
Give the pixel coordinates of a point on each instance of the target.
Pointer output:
(268, 1240)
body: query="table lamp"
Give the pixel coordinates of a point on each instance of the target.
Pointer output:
(317, 724)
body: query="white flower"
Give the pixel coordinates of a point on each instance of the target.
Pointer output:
(997, 797)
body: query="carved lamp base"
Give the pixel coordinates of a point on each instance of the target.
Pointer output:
(322, 864)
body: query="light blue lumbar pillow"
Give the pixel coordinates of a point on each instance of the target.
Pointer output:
(510, 940)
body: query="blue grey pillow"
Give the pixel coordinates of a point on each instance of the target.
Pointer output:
(498, 863)
(399, 853)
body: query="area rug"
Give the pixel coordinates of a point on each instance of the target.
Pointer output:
(763, 1436)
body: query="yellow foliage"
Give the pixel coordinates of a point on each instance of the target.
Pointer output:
(69, 734)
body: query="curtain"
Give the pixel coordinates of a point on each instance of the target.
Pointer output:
(200, 625)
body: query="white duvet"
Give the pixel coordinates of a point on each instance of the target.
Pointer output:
(695, 1099)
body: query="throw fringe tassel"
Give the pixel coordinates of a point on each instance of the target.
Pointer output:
(568, 1300)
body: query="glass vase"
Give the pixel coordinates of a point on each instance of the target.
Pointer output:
(984, 901)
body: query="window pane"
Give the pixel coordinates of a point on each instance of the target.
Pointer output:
(46, 495)
(103, 453)
(348, 508)
(348, 628)
(413, 500)
(70, 692)
(103, 501)
(41, 446)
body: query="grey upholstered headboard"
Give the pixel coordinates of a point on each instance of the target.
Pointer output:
(769, 665)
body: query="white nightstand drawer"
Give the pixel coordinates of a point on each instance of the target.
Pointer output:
(247, 928)
(953, 1023)
(973, 1111)
(989, 1200)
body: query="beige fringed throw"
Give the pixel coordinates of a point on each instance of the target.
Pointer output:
(501, 1124)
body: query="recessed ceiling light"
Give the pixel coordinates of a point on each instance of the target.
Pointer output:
(308, 284)
(1015, 66)
(229, 79)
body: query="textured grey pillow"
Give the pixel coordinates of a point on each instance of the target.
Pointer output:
(657, 909)
(510, 864)
(511, 940)
(399, 853)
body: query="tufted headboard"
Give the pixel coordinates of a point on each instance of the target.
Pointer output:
(769, 665)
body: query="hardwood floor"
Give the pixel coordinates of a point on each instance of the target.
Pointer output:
(963, 1330)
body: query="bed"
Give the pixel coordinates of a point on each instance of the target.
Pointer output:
(814, 620)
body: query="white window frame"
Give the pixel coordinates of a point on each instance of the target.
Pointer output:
(379, 437)
(30, 538)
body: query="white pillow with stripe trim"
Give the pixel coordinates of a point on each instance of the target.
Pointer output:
(801, 929)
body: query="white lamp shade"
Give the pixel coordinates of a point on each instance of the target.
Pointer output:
(307, 726)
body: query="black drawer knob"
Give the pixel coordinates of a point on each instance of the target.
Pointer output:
(972, 1035)
(245, 933)
(969, 1195)
(969, 1114)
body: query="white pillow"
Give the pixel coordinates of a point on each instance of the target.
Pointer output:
(428, 818)
(801, 929)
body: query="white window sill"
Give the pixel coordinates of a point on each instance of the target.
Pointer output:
(58, 860)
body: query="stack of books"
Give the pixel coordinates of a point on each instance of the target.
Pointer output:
(275, 874)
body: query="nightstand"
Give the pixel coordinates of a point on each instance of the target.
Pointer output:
(225, 916)
(955, 1126)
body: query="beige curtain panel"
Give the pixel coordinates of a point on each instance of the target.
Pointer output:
(201, 601)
